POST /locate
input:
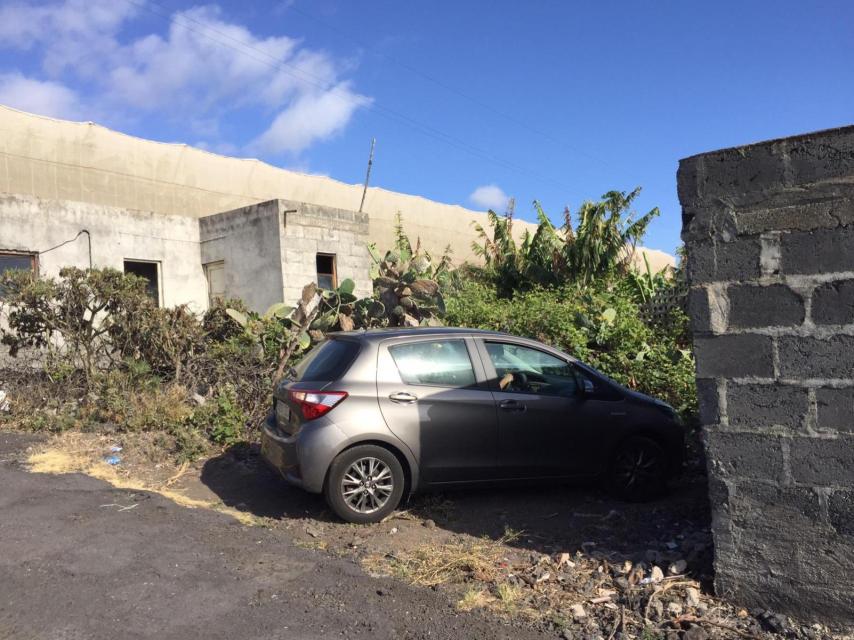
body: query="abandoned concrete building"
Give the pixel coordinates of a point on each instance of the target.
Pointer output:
(195, 224)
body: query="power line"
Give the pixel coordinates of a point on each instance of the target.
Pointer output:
(450, 88)
(425, 129)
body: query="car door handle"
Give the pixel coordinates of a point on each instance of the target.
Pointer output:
(511, 405)
(401, 397)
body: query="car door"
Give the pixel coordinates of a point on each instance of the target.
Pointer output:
(546, 426)
(434, 396)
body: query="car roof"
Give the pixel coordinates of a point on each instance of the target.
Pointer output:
(403, 332)
(377, 335)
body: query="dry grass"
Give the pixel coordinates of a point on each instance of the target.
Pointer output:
(80, 453)
(475, 598)
(430, 565)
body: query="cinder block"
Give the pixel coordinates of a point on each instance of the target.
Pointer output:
(766, 405)
(759, 506)
(841, 512)
(743, 174)
(833, 303)
(688, 177)
(796, 217)
(701, 224)
(822, 461)
(709, 401)
(736, 260)
(698, 310)
(819, 251)
(744, 455)
(775, 305)
(836, 410)
(827, 155)
(734, 356)
(808, 357)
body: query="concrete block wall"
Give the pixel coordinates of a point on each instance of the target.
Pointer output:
(247, 241)
(269, 249)
(769, 232)
(309, 229)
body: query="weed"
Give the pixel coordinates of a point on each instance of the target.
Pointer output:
(474, 598)
(455, 562)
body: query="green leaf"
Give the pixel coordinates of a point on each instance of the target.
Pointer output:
(609, 315)
(278, 310)
(347, 287)
(238, 316)
(304, 340)
(375, 255)
(324, 321)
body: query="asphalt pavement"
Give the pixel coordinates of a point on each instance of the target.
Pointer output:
(81, 560)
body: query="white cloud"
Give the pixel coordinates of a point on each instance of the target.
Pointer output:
(199, 71)
(73, 34)
(43, 97)
(489, 196)
(312, 117)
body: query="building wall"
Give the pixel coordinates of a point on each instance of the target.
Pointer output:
(769, 230)
(248, 241)
(32, 224)
(311, 229)
(82, 161)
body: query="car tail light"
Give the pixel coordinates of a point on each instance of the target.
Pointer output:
(313, 404)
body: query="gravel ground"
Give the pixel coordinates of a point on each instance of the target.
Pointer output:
(80, 559)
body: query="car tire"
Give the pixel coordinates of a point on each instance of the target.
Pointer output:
(364, 484)
(639, 469)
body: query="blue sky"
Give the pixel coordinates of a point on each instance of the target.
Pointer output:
(470, 102)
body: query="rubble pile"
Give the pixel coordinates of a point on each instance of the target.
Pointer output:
(593, 597)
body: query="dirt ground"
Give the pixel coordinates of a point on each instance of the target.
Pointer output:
(561, 561)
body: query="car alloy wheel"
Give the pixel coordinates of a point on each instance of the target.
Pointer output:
(367, 485)
(639, 469)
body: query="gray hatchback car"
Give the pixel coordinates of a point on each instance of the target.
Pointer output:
(369, 417)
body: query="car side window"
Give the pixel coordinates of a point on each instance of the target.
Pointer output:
(525, 370)
(441, 363)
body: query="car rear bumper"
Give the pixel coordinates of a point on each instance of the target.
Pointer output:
(304, 457)
(281, 452)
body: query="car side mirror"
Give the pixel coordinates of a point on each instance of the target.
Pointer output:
(586, 388)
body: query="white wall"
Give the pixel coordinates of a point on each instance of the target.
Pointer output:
(247, 240)
(32, 224)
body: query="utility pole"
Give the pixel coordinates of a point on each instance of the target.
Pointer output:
(511, 208)
(368, 175)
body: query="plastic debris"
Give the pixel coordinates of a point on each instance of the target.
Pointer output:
(113, 460)
(115, 449)
(4, 402)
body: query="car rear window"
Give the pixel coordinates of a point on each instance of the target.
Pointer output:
(327, 361)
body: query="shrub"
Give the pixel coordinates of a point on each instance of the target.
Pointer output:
(74, 318)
